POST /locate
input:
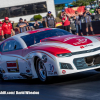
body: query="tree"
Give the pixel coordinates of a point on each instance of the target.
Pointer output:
(82, 2)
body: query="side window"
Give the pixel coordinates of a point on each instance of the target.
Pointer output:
(11, 45)
(1, 47)
(7, 46)
(16, 45)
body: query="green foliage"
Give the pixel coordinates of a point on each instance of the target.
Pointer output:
(91, 11)
(59, 14)
(82, 2)
(37, 17)
(2, 20)
(59, 7)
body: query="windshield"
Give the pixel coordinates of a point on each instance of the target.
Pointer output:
(36, 37)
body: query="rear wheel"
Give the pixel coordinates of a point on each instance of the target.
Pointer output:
(41, 70)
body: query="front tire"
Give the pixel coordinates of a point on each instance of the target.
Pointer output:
(41, 70)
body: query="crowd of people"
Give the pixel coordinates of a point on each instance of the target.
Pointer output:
(77, 19)
(7, 28)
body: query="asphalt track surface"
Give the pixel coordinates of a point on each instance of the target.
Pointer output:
(79, 86)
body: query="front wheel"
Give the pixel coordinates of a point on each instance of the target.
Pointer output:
(41, 70)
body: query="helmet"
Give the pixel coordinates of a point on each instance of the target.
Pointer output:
(63, 10)
(6, 18)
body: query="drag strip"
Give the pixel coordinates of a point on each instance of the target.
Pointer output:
(84, 86)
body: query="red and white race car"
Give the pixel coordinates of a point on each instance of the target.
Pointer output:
(47, 52)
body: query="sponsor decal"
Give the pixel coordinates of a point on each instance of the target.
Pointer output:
(80, 41)
(69, 38)
(5, 77)
(51, 67)
(29, 63)
(77, 41)
(55, 73)
(13, 66)
(63, 71)
(86, 46)
(51, 72)
(81, 47)
(44, 58)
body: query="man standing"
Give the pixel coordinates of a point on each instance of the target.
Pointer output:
(21, 26)
(50, 20)
(36, 24)
(1, 32)
(87, 16)
(62, 13)
(7, 28)
(66, 23)
(77, 19)
(27, 24)
(97, 16)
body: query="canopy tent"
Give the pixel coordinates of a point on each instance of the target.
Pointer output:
(62, 1)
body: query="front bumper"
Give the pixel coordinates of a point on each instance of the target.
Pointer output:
(93, 62)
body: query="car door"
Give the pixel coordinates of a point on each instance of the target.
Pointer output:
(11, 53)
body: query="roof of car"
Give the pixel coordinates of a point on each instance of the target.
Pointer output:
(17, 37)
(32, 32)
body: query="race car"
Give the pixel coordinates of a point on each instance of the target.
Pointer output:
(47, 52)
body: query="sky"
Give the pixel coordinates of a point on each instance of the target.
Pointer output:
(63, 1)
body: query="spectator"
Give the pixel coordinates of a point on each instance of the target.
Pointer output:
(96, 11)
(97, 16)
(12, 22)
(66, 23)
(77, 19)
(36, 25)
(62, 13)
(1, 32)
(27, 25)
(21, 26)
(7, 28)
(87, 16)
(43, 22)
(50, 21)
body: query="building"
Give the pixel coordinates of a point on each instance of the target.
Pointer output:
(26, 9)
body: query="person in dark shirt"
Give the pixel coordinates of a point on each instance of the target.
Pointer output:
(43, 22)
(66, 23)
(50, 20)
(27, 24)
(77, 19)
(97, 16)
(21, 26)
(87, 16)
(96, 11)
(36, 25)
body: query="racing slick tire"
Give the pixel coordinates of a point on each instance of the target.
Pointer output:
(41, 70)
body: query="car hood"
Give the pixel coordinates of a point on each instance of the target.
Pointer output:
(67, 44)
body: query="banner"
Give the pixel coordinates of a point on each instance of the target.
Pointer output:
(71, 11)
(58, 24)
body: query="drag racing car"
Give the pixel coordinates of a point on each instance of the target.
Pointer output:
(47, 52)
